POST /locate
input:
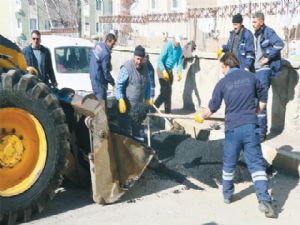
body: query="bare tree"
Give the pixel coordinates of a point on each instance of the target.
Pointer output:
(62, 13)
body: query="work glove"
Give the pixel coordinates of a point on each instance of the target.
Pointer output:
(198, 118)
(122, 106)
(166, 75)
(32, 70)
(219, 52)
(149, 101)
(179, 76)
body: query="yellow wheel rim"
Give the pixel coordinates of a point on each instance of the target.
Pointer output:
(23, 151)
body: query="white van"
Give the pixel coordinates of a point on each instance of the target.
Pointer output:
(70, 59)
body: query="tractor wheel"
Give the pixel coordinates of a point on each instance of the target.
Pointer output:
(34, 140)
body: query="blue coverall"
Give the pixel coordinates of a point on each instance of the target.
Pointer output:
(100, 66)
(270, 45)
(239, 89)
(245, 49)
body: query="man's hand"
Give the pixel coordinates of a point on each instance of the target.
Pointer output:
(219, 52)
(32, 70)
(149, 101)
(179, 76)
(166, 75)
(122, 105)
(264, 61)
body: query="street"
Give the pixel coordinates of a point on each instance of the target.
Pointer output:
(185, 189)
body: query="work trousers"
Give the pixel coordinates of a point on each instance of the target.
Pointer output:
(244, 137)
(165, 95)
(128, 125)
(264, 76)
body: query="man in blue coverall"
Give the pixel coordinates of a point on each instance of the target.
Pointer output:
(267, 61)
(241, 43)
(100, 66)
(168, 58)
(133, 86)
(240, 89)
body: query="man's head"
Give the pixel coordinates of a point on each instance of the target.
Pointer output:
(35, 39)
(139, 54)
(237, 22)
(258, 20)
(110, 40)
(177, 41)
(228, 61)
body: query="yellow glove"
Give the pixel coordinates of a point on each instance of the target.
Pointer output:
(219, 52)
(198, 118)
(166, 75)
(32, 70)
(122, 106)
(149, 101)
(179, 77)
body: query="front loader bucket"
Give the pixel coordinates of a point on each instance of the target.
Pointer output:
(116, 161)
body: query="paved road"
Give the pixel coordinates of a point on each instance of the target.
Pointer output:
(184, 190)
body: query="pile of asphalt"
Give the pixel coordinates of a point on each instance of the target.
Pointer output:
(185, 157)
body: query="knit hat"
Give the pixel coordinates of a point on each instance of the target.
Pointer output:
(237, 18)
(139, 51)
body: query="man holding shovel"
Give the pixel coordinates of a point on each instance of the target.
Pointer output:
(239, 89)
(132, 88)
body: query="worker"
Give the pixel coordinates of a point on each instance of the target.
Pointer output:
(100, 66)
(168, 58)
(241, 43)
(267, 61)
(151, 76)
(239, 89)
(39, 57)
(132, 88)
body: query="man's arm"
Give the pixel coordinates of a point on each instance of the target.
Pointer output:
(105, 64)
(250, 51)
(277, 45)
(261, 94)
(162, 57)
(179, 62)
(121, 83)
(49, 68)
(217, 97)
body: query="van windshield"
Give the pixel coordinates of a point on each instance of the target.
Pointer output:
(72, 59)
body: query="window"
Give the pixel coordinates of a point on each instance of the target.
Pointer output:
(72, 59)
(47, 25)
(154, 5)
(31, 2)
(176, 4)
(33, 24)
(87, 27)
(99, 5)
(19, 23)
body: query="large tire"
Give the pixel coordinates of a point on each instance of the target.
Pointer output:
(31, 95)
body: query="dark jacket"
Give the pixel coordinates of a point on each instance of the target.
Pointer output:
(47, 73)
(271, 46)
(245, 49)
(239, 89)
(100, 67)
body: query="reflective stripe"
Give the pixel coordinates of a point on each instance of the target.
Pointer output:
(264, 68)
(261, 115)
(227, 176)
(277, 47)
(259, 175)
(139, 138)
(249, 57)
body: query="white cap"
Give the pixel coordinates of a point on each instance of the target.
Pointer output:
(178, 38)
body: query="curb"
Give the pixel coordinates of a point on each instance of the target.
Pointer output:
(282, 160)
